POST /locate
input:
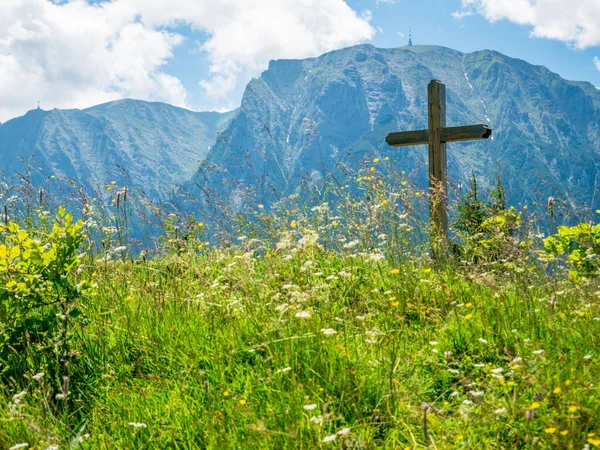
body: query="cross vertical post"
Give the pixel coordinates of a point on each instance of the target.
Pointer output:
(436, 135)
(438, 168)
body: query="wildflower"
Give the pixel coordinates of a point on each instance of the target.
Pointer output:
(39, 376)
(395, 271)
(343, 431)
(316, 420)
(330, 438)
(530, 414)
(587, 357)
(310, 407)
(564, 432)
(434, 343)
(261, 206)
(459, 437)
(454, 371)
(303, 314)
(468, 316)
(243, 402)
(500, 411)
(479, 365)
(468, 305)
(384, 202)
(572, 409)
(18, 446)
(200, 225)
(550, 430)
(568, 383)
(535, 405)
(476, 393)
(557, 390)
(293, 224)
(483, 341)
(282, 307)
(594, 442)
(376, 160)
(226, 394)
(137, 425)
(328, 331)
(454, 394)
(447, 353)
(517, 360)
(284, 370)
(538, 352)
(498, 370)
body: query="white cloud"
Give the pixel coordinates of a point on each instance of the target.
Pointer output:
(576, 22)
(597, 62)
(75, 54)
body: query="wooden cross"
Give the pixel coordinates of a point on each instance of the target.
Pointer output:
(436, 136)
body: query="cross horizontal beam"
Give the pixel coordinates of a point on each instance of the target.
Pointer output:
(452, 134)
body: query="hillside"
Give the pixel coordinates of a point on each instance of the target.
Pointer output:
(147, 146)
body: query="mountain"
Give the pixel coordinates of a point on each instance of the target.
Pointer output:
(148, 146)
(303, 118)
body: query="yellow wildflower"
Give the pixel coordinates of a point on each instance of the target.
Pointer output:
(395, 271)
(534, 405)
(376, 160)
(594, 442)
(225, 393)
(468, 316)
(568, 383)
(564, 432)
(293, 224)
(550, 430)
(557, 390)
(573, 409)
(243, 402)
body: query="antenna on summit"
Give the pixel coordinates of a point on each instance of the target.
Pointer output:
(409, 36)
(38, 105)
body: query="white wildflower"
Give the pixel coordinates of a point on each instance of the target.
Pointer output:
(316, 420)
(137, 425)
(330, 438)
(476, 393)
(328, 331)
(18, 446)
(310, 407)
(434, 343)
(587, 357)
(498, 370)
(39, 376)
(479, 365)
(281, 308)
(284, 370)
(483, 341)
(454, 371)
(500, 411)
(303, 314)
(343, 431)
(538, 352)
(517, 360)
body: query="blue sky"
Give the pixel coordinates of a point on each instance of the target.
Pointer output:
(432, 23)
(200, 54)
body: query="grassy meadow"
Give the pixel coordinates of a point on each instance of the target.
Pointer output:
(323, 327)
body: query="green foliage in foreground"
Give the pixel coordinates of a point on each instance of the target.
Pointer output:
(299, 347)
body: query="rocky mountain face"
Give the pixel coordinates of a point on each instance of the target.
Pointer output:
(302, 118)
(147, 146)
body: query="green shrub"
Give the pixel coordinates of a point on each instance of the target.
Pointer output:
(38, 296)
(577, 246)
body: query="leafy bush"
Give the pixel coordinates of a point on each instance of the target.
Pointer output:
(487, 228)
(578, 246)
(38, 296)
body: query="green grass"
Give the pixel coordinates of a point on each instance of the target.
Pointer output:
(200, 349)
